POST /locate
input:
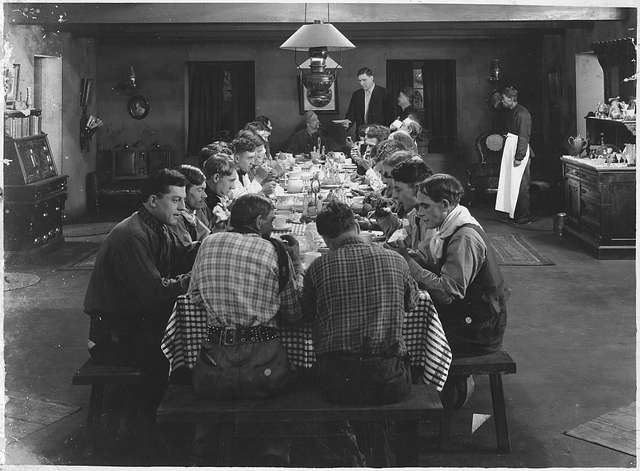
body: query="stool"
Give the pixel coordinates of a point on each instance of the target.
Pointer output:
(495, 365)
(98, 376)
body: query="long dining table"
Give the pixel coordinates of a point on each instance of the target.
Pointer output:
(424, 336)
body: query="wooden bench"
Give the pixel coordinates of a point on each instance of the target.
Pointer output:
(494, 365)
(303, 404)
(98, 376)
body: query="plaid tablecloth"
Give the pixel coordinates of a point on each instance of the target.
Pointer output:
(296, 229)
(423, 334)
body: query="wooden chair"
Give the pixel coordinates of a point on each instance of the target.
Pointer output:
(484, 175)
(495, 365)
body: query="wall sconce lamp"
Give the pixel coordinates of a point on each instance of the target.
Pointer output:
(495, 71)
(128, 85)
(318, 39)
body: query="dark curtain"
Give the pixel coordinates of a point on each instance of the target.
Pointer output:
(243, 85)
(439, 79)
(205, 104)
(399, 74)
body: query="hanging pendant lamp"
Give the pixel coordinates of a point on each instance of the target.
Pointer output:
(318, 39)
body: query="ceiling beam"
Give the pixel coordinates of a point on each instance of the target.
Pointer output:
(279, 32)
(294, 13)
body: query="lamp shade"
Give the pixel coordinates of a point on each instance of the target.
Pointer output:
(330, 64)
(317, 35)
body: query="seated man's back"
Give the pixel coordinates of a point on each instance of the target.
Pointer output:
(357, 295)
(243, 281)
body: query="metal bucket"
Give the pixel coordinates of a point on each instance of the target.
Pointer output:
(559, 220)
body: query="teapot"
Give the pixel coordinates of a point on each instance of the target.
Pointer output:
(577, 145)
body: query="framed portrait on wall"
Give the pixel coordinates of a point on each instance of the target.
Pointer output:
(11, 76)
(327, 104)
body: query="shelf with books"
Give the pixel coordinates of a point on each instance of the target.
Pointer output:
(22, 123)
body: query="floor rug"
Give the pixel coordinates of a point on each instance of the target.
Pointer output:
(615, 430)
(87, 229)
(19, 280)
(25, 415)
(514, 250)
(84, 256)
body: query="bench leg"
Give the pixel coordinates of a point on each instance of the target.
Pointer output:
(95, 404)
(499, 413)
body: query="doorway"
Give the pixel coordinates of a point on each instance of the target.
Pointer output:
(47, 96)
(221, 100)
(589, 88)
(434, 85)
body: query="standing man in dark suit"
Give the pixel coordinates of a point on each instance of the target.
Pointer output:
(369, 104)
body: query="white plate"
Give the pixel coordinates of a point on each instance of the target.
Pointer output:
(285, 227)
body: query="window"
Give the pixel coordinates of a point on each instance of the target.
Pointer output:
(434, 84)
(221, 101)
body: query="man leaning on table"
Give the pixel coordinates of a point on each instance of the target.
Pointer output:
(134, 284)
(461, 273)
(248, 284)
(406, 177)
(356, 295)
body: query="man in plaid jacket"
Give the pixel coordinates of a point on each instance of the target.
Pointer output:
(357, 295)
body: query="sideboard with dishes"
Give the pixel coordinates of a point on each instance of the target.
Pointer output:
(600, 203)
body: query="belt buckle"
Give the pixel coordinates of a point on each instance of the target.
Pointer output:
(228, 336)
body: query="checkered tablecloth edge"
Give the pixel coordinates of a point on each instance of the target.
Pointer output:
(425, 339)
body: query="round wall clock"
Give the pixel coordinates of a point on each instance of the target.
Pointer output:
(138, 107)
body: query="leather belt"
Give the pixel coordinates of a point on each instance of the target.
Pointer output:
(228, 336)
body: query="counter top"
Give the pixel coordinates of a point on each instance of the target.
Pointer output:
(597, 164)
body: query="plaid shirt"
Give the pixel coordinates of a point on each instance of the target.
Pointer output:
(357, 296)
(235, 277)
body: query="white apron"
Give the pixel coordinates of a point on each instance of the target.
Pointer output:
(510, 176)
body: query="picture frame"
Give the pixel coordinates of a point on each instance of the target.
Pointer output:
(11, 78)
(138, 107)
(305, 105)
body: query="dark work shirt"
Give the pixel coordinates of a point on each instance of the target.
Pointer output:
(303, 143)
(135, 272)
(409, 110)
(519, 123)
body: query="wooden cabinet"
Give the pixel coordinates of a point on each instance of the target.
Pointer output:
(601, 206)
(34, 195)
